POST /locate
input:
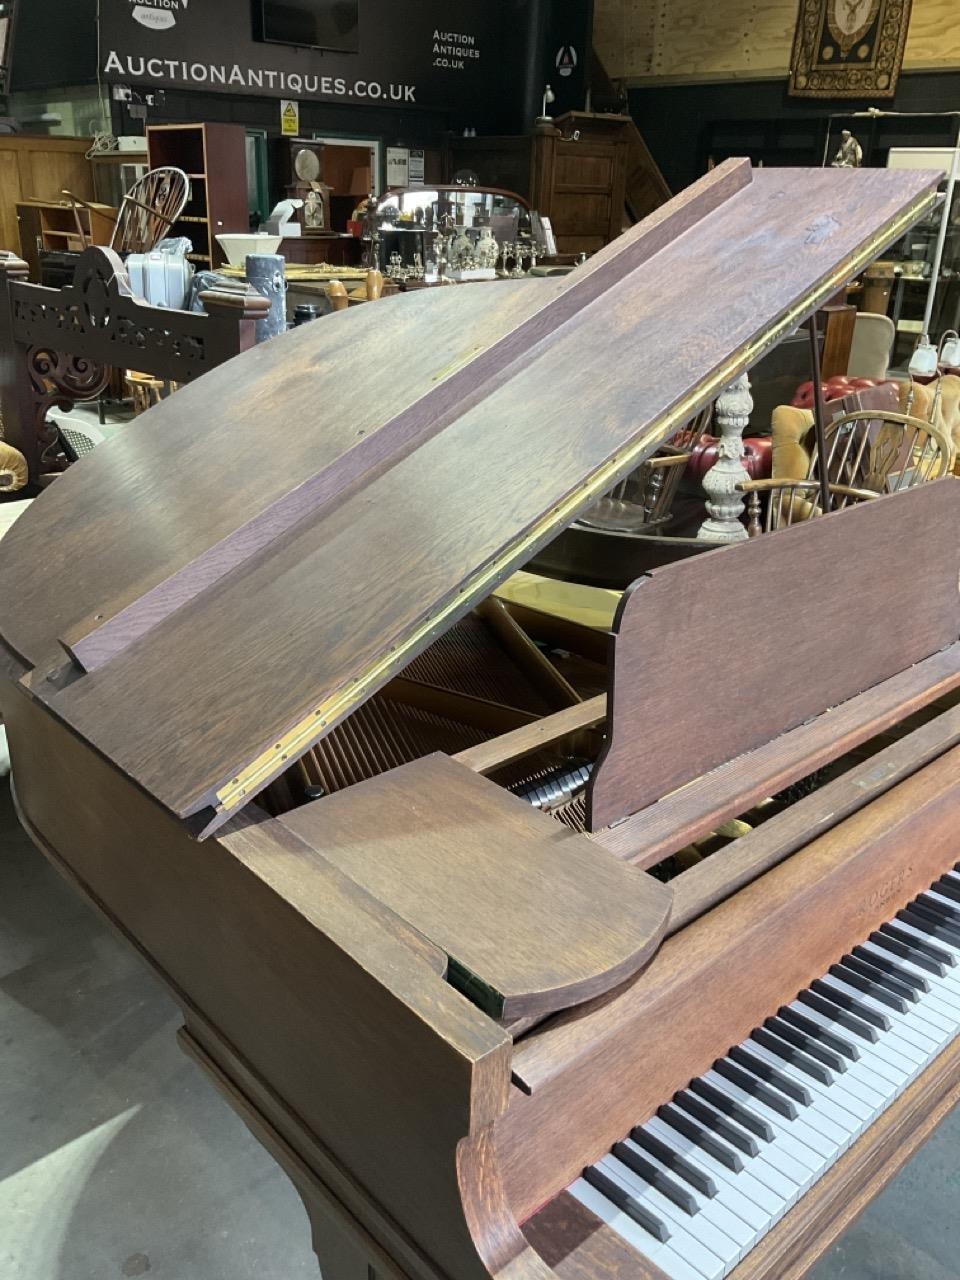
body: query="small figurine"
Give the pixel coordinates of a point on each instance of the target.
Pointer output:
(849, 154)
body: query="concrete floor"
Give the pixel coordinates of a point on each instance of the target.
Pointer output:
(118, 1159)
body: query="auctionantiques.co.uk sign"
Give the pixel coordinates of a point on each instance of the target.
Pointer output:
(428, 53)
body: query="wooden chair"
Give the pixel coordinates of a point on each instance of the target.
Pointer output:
(146, 213)
(146, 391)
(643, 501)
(884, 451)
(792, 502)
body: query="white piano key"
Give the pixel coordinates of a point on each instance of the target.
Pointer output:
(891, 1071)
(936, 1018)
(790, 1156)
(853, 1111)
(906, 927)
(709, 1208)
(944, 996)
(820, 1134)
(833, 1119)
(919, 1045)
(699, 1227)
(706, 1263)
(946, 985)
(859, 1082)
(662, 1254)
(707, 1244)
(734, 1196)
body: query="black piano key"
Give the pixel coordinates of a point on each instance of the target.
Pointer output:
(781, 1083)
(712, 1120)
(940, 909)
(688, 1128)
(812, 1045)
(950, 915)
(625, 1202)
(673, 1160)
(752, 1082)
(735, 1110)
(844, 973)
(790, 1053)
(890, 967)
(839, 1014)
(904, 944)
(828, 1039)
(949, 888)
(852, 1005)
(874, 973)
(937, 923)
(928, 922)
(657, 1179)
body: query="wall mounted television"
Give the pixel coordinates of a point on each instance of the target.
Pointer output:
(312, 24)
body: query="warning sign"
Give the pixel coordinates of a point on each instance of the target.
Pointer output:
(289, 118)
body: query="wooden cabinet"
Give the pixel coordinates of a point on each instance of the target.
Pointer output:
(54, 225)
(39, 169)
(590, 175)
(214, 158)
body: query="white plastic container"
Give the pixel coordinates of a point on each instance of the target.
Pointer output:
(162, 279)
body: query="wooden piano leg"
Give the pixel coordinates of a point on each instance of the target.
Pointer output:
(344, 1249)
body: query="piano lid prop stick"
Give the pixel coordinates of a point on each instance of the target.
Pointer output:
(819, 415)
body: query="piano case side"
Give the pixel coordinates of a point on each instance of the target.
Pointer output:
(317, 1005)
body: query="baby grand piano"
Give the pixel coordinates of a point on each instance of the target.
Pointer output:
(430, 875)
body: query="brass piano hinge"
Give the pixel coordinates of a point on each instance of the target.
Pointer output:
(293, 743)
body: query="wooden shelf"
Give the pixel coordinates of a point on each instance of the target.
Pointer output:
(213, 156)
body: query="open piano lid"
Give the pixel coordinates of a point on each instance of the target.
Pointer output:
(207, 595)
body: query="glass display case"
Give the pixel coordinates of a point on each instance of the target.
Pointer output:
(455, 232)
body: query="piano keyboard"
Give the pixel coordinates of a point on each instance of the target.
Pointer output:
(697, 1186)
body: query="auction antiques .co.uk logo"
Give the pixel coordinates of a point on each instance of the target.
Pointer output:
(158, 15)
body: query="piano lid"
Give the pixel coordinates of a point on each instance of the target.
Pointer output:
(258, 554)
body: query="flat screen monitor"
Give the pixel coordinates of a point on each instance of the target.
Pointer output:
(313, 24)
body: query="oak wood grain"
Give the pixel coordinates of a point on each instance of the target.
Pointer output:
(831, 642)
(653, 833)
(579, 1246)
(292, 963)
(594, 1073)
(533, 916)
(729, 869)
(527, 739)
(308, 619)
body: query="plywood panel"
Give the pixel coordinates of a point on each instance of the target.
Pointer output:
(933, 41)
(685, 40)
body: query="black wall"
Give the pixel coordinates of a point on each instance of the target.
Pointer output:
(397, 127)
(685, 124)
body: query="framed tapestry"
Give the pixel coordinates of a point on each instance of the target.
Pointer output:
(848, 48)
